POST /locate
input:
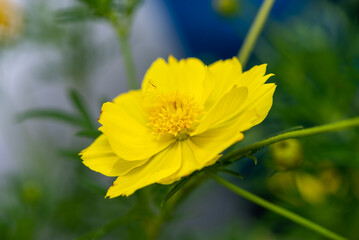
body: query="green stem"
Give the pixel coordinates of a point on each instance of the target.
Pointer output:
(254, 31)
(332, 127)
(279, 210)
(123, 37)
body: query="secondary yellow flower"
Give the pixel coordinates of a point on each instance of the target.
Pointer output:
(184, 116)
(10, 20)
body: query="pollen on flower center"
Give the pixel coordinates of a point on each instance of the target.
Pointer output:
(174, 114)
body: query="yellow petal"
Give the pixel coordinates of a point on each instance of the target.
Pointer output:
(264, 103)
(100, 158)
(158, 167)
(254, 77)
(209, 144)
(185, 76)
(154, 71)
(260, 97)
(229, 106)
(123, 123)
(221, 76)
(131, 103)
(245, 120)
(202, 150)
(244, 109)
(188, 162)
(259, 102)
(181, 173)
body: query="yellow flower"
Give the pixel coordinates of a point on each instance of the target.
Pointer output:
(10, 20)
(315, 189)
(181, 120)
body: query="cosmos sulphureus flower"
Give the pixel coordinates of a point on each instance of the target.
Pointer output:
(184, 116)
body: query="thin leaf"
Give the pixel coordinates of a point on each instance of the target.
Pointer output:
(80, 106)
(58, 115)
(254, 158)
(74, 154)
(289, 130)
(74, 14)
(77, 101)
(174, 190)
(230, 172)
(100, 8)
(88, 133)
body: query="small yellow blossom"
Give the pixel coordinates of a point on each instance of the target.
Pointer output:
(310, 188)
(181, 120)
(315, 189)
(10, 20)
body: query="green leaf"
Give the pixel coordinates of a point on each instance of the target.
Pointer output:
(100, 8)
(74, 14)
(230, 172)
(174, 190)
(57, 115)
(290, 130)
(77, 101)
(74, 154)
(103, 6)
(251, 156)
(80, 106)
(88, 133)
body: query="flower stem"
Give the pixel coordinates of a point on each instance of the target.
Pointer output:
(331, 127)
(123, 38)
(279, 210)
(254, 31)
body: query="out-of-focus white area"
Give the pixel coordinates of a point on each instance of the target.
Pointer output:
(21, 89)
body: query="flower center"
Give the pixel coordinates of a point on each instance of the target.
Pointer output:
(174, 114)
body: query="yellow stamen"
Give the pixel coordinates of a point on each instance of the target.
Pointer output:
(174, 114)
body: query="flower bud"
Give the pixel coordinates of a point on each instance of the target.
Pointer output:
(287, 154)
(226, 8)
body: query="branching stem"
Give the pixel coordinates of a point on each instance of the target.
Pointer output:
(277, 209)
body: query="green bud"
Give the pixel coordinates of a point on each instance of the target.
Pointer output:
(287, 154)
(226, 8)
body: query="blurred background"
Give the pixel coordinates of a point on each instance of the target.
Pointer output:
(58, 64)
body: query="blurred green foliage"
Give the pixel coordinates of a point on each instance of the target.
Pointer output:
(316, 61)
